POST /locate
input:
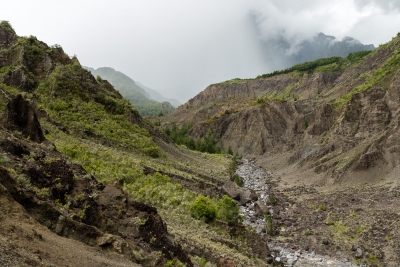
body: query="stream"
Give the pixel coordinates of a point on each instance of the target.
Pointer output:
(255, 178)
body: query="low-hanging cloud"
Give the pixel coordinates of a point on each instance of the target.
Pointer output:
(384, 5)
(178, 47)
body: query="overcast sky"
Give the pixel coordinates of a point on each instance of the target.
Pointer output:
(179, 47)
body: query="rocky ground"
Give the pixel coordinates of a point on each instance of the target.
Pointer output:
(310, 228)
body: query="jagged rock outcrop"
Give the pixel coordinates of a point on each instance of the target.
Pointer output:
(21, 116)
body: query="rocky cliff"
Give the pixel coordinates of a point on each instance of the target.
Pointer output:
(330, 121)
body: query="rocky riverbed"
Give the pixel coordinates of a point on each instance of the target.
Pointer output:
(257, 180)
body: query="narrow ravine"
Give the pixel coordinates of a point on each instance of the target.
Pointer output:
(257, 179)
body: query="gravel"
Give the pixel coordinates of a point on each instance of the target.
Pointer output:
(255, 178)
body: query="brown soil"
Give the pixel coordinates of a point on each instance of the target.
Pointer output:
(337, 220)
(25, 242)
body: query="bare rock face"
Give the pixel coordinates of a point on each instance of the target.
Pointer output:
(20, 79)
(125, 217)
(21, 116)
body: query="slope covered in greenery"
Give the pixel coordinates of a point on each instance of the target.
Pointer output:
(138, 97)
(102, 136)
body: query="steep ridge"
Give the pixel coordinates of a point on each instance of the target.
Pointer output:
(314, 120)
(81, 170)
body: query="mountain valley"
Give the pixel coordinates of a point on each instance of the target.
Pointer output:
(310, 176)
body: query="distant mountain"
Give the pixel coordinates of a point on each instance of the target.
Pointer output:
(157, 96)
(129, 89)
(282, 54)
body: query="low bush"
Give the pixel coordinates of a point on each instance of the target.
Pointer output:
(229, 211)
(203, 209)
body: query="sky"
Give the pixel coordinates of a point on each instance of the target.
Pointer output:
(179, 47)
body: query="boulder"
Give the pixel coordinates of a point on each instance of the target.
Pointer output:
(223, 262)
(21, 116)
(359, 253)
(244, 196)
(231, 189)
(260, 208)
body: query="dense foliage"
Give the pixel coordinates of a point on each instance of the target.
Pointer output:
(228, 210)
(203, 209)
(323, 64)
(87, 107)
(7, 26)
(205, 144)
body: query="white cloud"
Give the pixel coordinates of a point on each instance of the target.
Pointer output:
(178, 47)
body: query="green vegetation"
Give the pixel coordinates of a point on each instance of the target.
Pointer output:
(272, 199)
(322, 65)
(305, 124)
(153, 108)
(203, 209)
(99, 116)
(379, 76)
(137, 96)
(34, 50)
(178, 135)
(7, 26)
(4, 160)
(234, 81)
(269, 226)
(228, 211)
(205, 144)
(311, 206)
(230, 152)
(238, 181)
(232, 167)
(93, 126)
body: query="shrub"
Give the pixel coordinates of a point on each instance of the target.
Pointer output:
(4, 160)
(268, 223)
(272, 199)
(228, 210)
(238, 181)
(203, 209)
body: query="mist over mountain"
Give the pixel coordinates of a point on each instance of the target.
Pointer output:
(137, 95)
(282, 53)
(157, 96)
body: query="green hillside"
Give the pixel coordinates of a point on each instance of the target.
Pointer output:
(99, 136)
(138, 97)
